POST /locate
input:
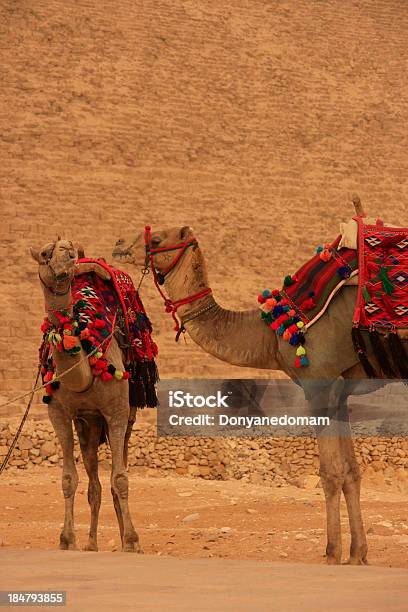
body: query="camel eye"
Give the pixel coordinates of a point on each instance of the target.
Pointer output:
(44, 254)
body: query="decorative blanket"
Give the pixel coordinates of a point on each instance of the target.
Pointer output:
(382, 302)
(101, 307)
(306, 295)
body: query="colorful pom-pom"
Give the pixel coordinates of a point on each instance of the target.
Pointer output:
(300, 351)
(304, 361)
(266, 294)
(105, 376)
(69, 342)
(126, 375)
(319, 250)
(118, 375)
(46, 399)
(261, 298)
(288, 280)
(325, 255)
(287, 335)
(297, 362)
(300, 324)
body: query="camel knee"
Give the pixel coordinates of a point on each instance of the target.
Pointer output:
(331, 482)
(69, 484)
(120, 485)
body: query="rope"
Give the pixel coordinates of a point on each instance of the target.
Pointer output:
(23, 420)
(31, 394)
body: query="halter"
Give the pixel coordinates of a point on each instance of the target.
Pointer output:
(159, 278)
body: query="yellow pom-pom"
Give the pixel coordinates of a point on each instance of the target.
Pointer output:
(99, 354)
(300, 351)
(118, 375)
(300, 324)
(67, 332)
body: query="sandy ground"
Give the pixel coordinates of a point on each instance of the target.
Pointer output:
(129, 582)
(192, 518)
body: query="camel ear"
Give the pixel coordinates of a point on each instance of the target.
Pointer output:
(186, 232)
(35, 254)
(81, 251)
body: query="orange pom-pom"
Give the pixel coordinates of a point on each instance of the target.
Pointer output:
(69, 342)
(287, 335)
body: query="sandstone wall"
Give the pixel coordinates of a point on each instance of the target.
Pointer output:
(252, 122)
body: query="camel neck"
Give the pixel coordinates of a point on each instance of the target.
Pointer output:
(237, 337)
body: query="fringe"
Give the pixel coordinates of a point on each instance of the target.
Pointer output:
(399, 355)
(361, 350)
(381, 355)
(143, 378)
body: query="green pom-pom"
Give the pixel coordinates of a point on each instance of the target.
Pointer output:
(288, 281)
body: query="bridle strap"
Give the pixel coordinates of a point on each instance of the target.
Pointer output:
(52, 290)
(170, 305)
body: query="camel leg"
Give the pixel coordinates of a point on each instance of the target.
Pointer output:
(131, 422)
(351, 490)
(117, 425)
(331, 474)
(62, 424)
(89, 448)
(326, 403)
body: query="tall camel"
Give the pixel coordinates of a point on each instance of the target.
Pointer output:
(88, 402)
(242, 338)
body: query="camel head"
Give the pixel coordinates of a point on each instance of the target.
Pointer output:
(180, 269)
(56, 264)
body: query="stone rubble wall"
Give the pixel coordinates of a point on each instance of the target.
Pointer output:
(258, 460)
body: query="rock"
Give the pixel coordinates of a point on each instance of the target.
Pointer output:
(24, 443)
(193, 470)
(191, 517)
(300, 536)
(309, 482)
(251, 511)
(47, 449)
(226, 529)
(283, 555)
(53, 459)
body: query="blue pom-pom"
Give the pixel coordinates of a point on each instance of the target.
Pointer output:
(266, 293)
(319, 250)
(344, 272)
(304, 361)
(286, 308)
(294, 339)
(277, 311)
(296, 319)
(46, 399)
(280, 330)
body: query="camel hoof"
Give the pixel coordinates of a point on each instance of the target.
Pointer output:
(68, 546)
(333, 561)
(132, 546)
(91, 547)
(357, 561)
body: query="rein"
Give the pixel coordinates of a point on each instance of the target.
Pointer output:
(159, 278)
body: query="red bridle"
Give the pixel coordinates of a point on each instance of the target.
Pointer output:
(159, 277)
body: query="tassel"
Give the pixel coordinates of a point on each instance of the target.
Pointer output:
(386, 283)
(360, 348)
(398, 354)
(381, 354)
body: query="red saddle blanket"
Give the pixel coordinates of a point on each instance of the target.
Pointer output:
(100, 307)
(382, 301)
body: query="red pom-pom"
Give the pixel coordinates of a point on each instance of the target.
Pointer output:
(275, 292)
(126, 375)
(48, 377)
(96, 371)
(106, 376)
(292, 313)
(297, 362)
(307, 304)
(49, 390)
(261, 298)
(99, 323)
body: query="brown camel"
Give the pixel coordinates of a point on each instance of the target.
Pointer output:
(242, 338)
(91, 404)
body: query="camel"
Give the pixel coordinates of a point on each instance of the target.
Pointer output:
(241, 338)
(91, 404)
